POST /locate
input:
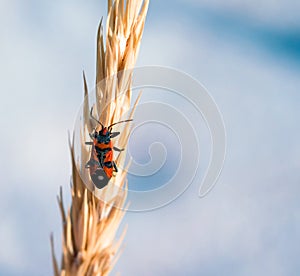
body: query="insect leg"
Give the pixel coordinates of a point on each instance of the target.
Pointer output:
(117, 149)
(114, 134)
(115, 166)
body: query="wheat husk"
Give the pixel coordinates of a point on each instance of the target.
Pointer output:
(89, 226)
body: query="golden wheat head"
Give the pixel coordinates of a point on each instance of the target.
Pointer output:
(90, 224)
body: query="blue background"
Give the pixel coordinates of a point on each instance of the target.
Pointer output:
(246, 53)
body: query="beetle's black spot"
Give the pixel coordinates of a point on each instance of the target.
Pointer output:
(108, 164)
(98, 150)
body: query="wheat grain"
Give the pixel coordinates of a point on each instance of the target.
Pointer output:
(90, 225)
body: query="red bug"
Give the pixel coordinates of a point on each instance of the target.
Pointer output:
(102, 152)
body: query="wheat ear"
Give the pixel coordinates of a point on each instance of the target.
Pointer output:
(90, 225)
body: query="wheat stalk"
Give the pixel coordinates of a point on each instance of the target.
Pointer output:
(90, 225)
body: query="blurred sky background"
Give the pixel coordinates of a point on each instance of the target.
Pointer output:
(246, 53)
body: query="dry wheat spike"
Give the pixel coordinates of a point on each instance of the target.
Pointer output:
(89, 227)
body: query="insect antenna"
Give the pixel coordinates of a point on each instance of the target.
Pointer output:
(91, 114)
(129, 120)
